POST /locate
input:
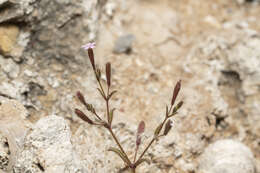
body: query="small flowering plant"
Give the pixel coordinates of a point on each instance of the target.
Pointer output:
(161, 130)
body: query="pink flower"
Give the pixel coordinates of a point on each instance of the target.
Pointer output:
(89, 46)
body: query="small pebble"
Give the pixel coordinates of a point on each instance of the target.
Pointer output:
(124, 44)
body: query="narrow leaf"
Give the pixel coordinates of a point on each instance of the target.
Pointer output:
(91, 58)
(98, 74)
(111, 116)
(176, 91)
(120, 154)
(167, 111)
(101, 93)
(92, 109)
(100, 122)
(176, 108)
(167, 127)
(108, 73)
(141, 161)
(83, 116)
(112, 93)
(179, 105)
(158, 130)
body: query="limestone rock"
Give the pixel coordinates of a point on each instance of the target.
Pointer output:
(8, 36)
(245, 60)
(124, 43)
(245, 1)
(13, 126)
(4, 153)
(3, 2)
(48, 148)
(55, 26)
(15, 10)
(234, 54)
(26, 93)
(227, 156)
(9, 67)
(72, 24)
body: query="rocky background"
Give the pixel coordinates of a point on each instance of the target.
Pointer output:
(212, 46)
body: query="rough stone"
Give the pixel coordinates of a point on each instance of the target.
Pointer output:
(15, 10)
(4, 153)
(227, 156)
(244, 59)
(60, 38)
(236, 57)
(13, 126)
(8, 36)
(9, 67)
(3, 2)
(48, 148)
(124, 44)
(245, 1)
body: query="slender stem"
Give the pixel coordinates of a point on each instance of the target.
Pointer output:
(117, 142)
(97, 116)
(109, 125)
(148, 146)
(154, 138)
(135, 153)
(151, 142)
(110, 128)
(107, 104)
(101, 87)
(170, 109)
(107, 110)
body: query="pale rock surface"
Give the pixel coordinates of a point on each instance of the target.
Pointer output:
(15, 10)
(8, 36)
(4, 153)
(9, 67)
(25, 92)
(13, 127)
(54, 27)
(227, 156)
(58, 26)
(48, 148)
(55, 30)
(235, 56)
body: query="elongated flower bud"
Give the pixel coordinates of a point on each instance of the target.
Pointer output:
(108, 73)
(81, 98)
(91, 58)
(167, 127)
(176, 91)
(140, 130)
(83, 116)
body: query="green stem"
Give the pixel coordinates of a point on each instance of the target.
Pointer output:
(117, 142)
(151, 142)
(97, 116)
(107, 104)
(135, 154)
(148, 146)
(170, 109)
(110, 128)
(100, 85)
